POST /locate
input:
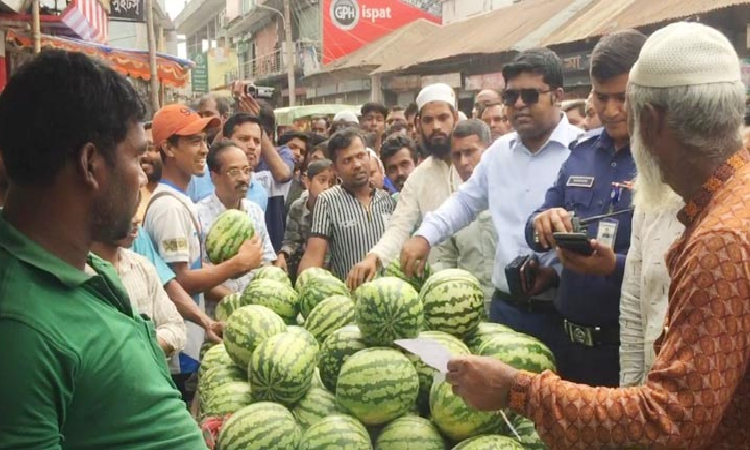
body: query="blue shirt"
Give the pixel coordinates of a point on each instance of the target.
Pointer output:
(201, 187)
(510, 181)
(144, 247)
(388, 186)
(587, 299)
(286, 156)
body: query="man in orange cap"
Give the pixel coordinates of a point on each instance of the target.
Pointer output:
(171, 221)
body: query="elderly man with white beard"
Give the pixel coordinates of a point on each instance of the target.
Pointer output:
(685, 103)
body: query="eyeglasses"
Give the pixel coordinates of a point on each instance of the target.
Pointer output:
(236, 172)
(529, 96)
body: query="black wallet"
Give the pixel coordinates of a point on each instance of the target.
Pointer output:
(513, 276)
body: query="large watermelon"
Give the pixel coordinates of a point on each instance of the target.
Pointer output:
(229, 231)
(388, 309)
(489, 442)
(520, 351)
(377, 385)
(394, 270)
(281, 368)
(484, 331)
(272, 273)
(453, 302)
(261, 426)
(219, 375)
(316, 405)
(410, 433)
(456, 419)
(247, 327)
(527, 430)
(319, 289)
(227, 305)
(215, 356)
(330, 315)
(339, 346)
(311, 274)
(336, 432)
(301, 332)
(226, 398)
(277, 296)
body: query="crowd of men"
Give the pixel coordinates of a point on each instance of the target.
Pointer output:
(106, 296)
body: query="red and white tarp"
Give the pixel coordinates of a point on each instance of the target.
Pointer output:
(88, 19)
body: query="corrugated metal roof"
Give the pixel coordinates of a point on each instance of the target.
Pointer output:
(607, 16)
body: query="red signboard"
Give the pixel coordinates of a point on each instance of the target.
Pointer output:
(350, 24)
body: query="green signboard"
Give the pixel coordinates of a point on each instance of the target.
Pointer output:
(199, 73)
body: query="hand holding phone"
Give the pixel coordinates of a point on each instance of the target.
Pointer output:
(575, 242)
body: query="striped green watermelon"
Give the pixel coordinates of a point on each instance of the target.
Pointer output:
(282, 367)
(336, 432)
(311, 274)
(272, 273)
(484, 331)
(229, 231)
(339, 346)
(520, 351)
(410, 433)
(219, 375)
(319, 289)
(247, 327)
(260, 426)
(330, 315)
(394, 270)
(456, 419)
(215, 356)
(388, 309)
(316, 405)
(279, 297)
(489, 442)
(377, 385)
(226, 398)
(453, 302)
(527, 430)
(227, 305)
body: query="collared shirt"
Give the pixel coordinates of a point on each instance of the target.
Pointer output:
(645, 290)
(201, 187)
(144, 247)
(697, 395)
(275, 213)
(80, 368)
(147, 296)
(510, 181)
(350, 227)
(211, 207)
(286, 156)
(476, 246)
(427, 187)
(585, 186)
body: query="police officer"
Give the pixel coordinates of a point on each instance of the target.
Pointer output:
(593, 181)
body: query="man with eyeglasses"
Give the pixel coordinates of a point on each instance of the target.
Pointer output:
(510, 181)
(230, 174)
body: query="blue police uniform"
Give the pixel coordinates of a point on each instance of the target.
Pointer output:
(588, 185)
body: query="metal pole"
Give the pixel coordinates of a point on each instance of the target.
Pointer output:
(291, 78)
(152, 55)
(36, 32)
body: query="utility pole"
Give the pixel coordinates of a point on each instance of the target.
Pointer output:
(152, 55)
(291, 78)
(36, 33)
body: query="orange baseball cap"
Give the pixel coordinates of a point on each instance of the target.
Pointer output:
(181, 121)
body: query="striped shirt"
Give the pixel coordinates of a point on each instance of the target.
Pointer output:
(350, 227)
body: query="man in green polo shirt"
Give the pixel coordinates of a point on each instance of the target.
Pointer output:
(79, 368)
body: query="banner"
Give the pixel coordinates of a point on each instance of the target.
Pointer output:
(199, 73)
(350, 24)
(126, 11)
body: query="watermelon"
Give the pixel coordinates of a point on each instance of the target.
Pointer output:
(388, 309)
(247, 327)
(277, 296)
(219, 375)
(410, 433)
(489, 442)
(272, 273)
(226, 398)
(394, 270)
(316, 405)
(306, 335)
(281, 368)
(456, 419)
(453, 302)
(377, 385)
(225, 237)
(527, 430)
(520, 351)
(227, 305)
(215, 356)
(260, 426)
(319, 289)
(336, 432)
(311, 274)
(330, 315)
(339, 346)
(484, 331)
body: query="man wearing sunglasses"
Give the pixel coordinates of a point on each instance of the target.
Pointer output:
(593, 182)
(510, 181)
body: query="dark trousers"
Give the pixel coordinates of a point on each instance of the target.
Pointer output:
(186, 384)
(595, 366)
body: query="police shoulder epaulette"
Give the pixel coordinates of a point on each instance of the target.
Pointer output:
(585, 137)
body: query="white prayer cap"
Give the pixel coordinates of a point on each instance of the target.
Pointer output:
(683, 54)
(437, 92)
(346, 116)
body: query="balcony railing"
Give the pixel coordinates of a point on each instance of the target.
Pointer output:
(307, 59)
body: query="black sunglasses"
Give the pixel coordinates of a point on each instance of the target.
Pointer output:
(529, 96)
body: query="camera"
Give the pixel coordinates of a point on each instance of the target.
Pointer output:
(251, 90)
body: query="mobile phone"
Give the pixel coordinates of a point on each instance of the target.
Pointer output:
(528, 273)
(575, 242)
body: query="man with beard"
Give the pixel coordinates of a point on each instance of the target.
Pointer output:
(81, 367)
(319, 126)
(510, 181)
(230, 173)
(399, 156)
(685, 101)
(427, 187)
(151, 165)
(593, 182)
(347, 219)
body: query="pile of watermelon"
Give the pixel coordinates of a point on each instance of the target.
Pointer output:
(315, 367)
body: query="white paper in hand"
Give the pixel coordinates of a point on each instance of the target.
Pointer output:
(433, 353)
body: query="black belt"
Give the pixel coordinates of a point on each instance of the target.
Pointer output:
(529, 305)
(592, 336)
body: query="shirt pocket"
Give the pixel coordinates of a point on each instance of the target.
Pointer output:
(578, 198)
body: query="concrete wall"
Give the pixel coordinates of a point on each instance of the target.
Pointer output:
(455, 10)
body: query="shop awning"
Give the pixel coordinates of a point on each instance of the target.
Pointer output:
(171, 71)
